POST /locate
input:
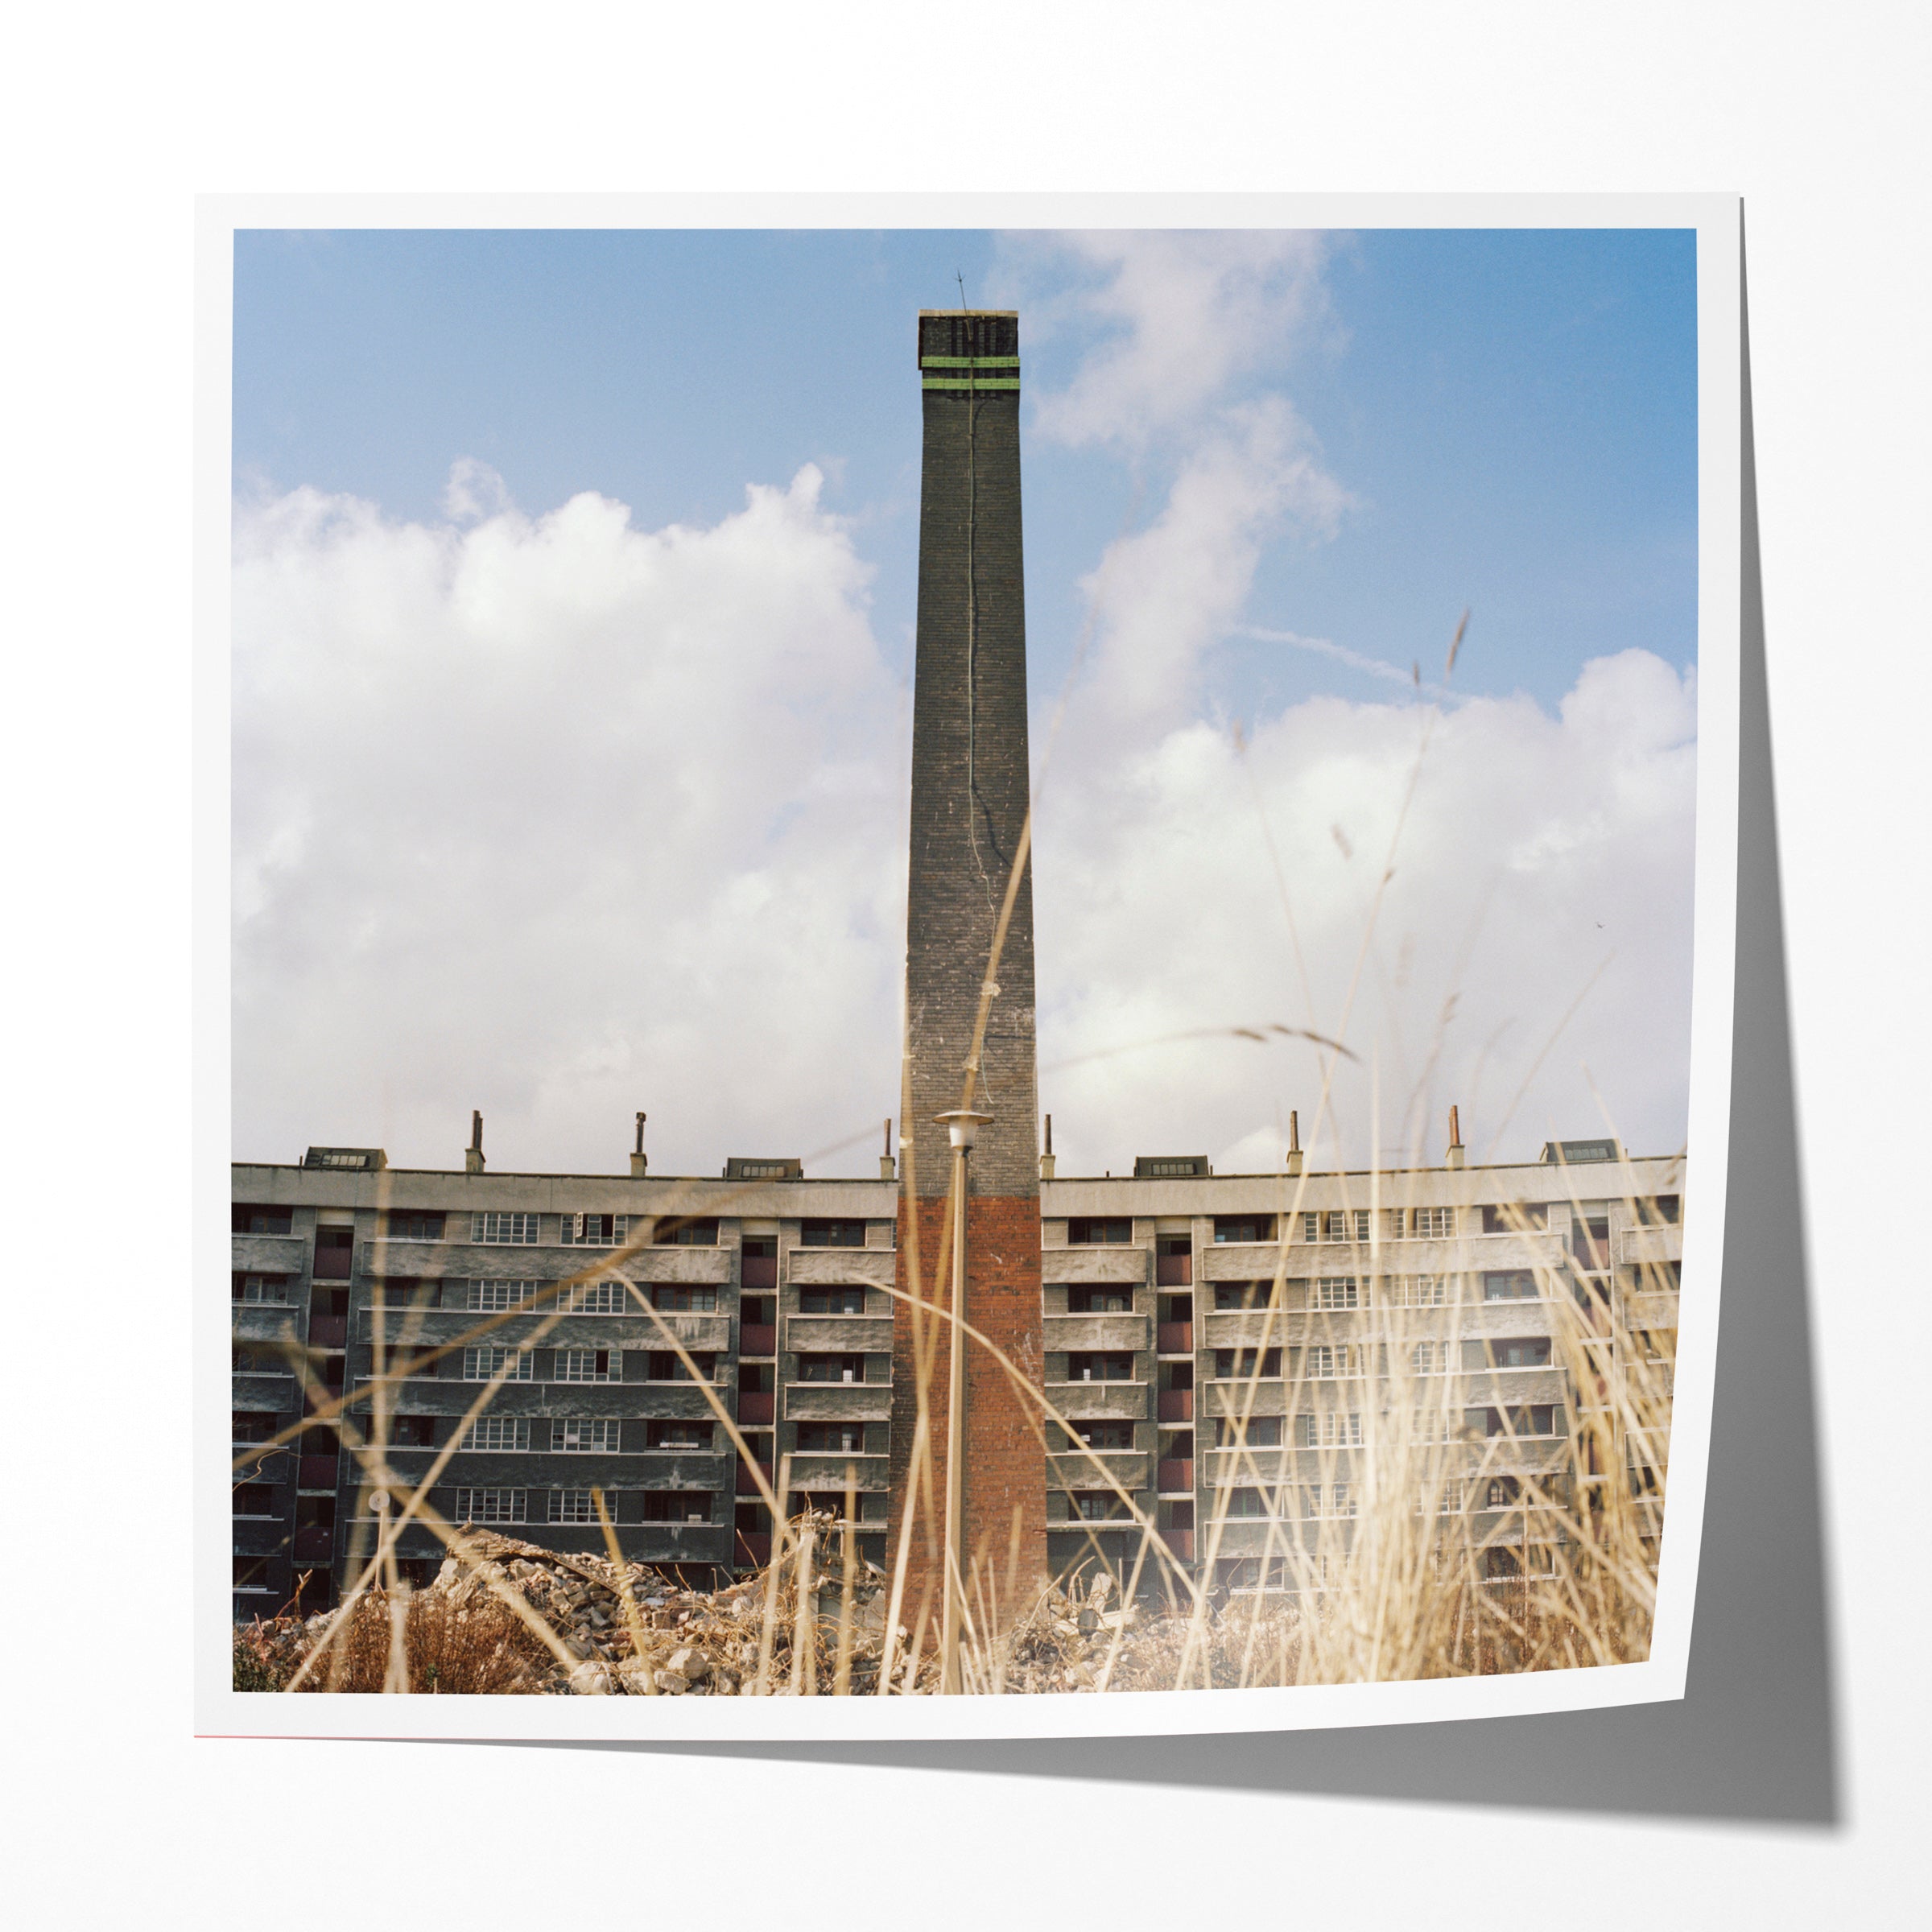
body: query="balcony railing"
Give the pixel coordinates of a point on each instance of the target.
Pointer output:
(1174, 1473)
(755, 1408)
(316, 1472)
(314, 1546)
(758, 1338)
(328, 1332)
(1174, 1338)
(1176, 1405)
(758, 1271)
(748, 1483)
(754, 1548)
(1174, 1271)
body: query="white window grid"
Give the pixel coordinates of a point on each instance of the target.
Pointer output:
(1417, 1291)
(1435, 1426)
(271, 1288)
(499, 1432)
(491, 1505)
(1422, 1223)
(574, 1436)
(595, 1297)
(515, 1230)
(1333, 1292)
(494, 1298)
(589, 1365)
(481, 1364)
(1336, 1224)
(1337, 1428)
(1326, 1361)
(578, 1506)
(1429, 1358)
(595, 1230)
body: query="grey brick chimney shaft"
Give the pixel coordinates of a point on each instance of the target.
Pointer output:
(969, 759)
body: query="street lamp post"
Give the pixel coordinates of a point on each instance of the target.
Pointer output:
(963, 1123)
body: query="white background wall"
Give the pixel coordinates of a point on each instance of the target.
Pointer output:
(115, 121)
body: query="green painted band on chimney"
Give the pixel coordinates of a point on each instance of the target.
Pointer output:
(970, 382)
(969, 362)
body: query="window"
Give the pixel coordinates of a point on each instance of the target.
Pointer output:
(272, 1289)
(1429, 1358)
(1335, 1292)
(1245, 1502)
(1422, 1223)
(414, 1227)
(1099, 1435)
(1521, 1351)
(261, 1358)
(1100, 1301)
(574, 1506)
(1416, 1290)
(1243, 1228)
(1503, 1491)
(1333, 1431)
(1539, 1418)
(831, 1438)
(1515, 1217)
(254, 1499)
(1094, 1231)
(1664, 1211)
(594, 1230)
(831, 1367)
(483, 1364)
(1509, 1285)
(1340, 1499)
(1343, 1224)
(495, 1229)
(1263, 1432)
(666, 1366)
(1327, 1362)
(1097, 1365)
(575, 1435)
(409, 1432)
(677, 1506)
(832, 1301)
(675, 1298)
(245, 1219)
(499, 1432)
(821, 1233)
(252, 1426)
(1435, 1426)
(589, 1365)
(251, 1573)
(1228, 1363)
(684, 1231)
(676, 1432)
(490, 1505)
(396, 1294)
(1243, 1294)
(492, 1298)
(597, 1298)
(1100, 1506)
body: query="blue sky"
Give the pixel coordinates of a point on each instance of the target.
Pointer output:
(574, 583)
(1514, 412)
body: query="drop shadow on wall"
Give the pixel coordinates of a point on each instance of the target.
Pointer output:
(1755, 1738)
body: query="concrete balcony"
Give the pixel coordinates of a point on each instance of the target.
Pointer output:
(838, 1401)
(695, 1265)
(1099, 1401)
(1244, 1468)
(1257, 1262)
(253, 1388)
(1240, 1396)
(828, 1267)
(1080, 1266)
(826, 1471)
(271, 1254)
(262, 1321)
(839, 1334)
(1638, 1245)
(1074, 1469)
(1245, 1328)
(1651, 1312)
(1102, 1333)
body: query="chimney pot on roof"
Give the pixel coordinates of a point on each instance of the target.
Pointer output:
(472, 1158)
(1295, 1141)
(1454, 1157)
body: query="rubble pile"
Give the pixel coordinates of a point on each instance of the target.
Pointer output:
(628, 1629)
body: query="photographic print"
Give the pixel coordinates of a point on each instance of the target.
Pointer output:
(980, 973)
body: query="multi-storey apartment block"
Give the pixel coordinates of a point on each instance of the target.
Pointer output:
(1221, 1345)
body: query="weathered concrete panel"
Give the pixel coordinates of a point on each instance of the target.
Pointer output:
(828, 1267)
(839, 1334)
(1236, 1398)
(251, 1390)
(1127, 1467)
(1081, 1265)
(1258, 1260)
(828, 1472)
(838, 1401)
(262, 1321)
(1100, 1401)
(694, 1264)
(270, 1253)
(1115, 1332)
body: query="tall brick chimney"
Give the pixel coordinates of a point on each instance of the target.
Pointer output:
(969, 806)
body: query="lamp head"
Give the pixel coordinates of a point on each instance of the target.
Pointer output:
(963, 1123)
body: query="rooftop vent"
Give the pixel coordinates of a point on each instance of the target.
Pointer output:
(1570, 1153)
(353, 1160)
(742, 1167)
(1171, 1167)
